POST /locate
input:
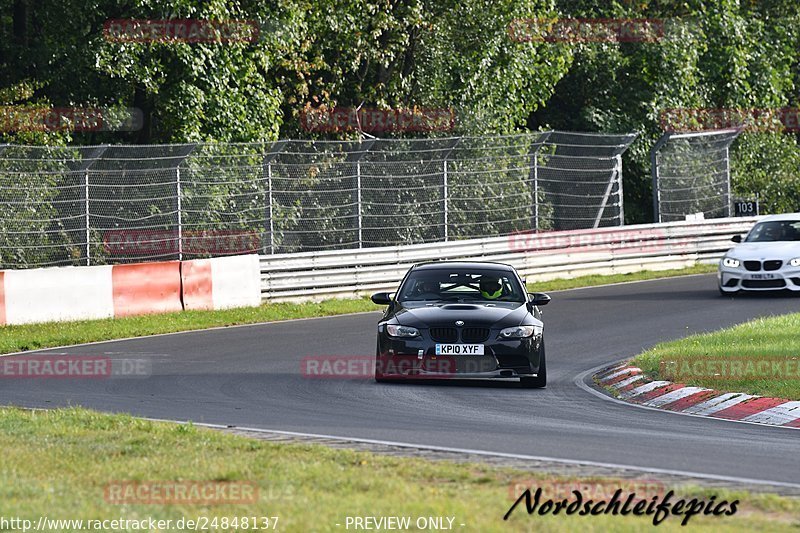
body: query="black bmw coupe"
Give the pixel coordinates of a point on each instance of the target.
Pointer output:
(461, 320)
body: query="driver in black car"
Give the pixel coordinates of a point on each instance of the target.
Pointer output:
(428, 289)
(491, 288)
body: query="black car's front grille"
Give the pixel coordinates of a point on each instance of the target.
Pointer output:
(752, 266)
(773, 264)
(444, 334)
(763, 284)
(474, 334)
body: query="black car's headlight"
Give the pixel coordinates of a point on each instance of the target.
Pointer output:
(730, 262)
(520, 332)
(401, 331)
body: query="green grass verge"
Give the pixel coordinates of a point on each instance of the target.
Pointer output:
(59, 464)
(34, 336)
(766, 352)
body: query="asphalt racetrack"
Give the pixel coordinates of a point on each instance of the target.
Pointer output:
(251, 376)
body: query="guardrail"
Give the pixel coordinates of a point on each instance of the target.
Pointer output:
(537, 256)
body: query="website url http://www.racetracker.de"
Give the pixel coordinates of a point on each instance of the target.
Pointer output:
(200, 523)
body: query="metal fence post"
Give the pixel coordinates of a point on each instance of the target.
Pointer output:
(446, 186)
(606, 195)
(269, 209)
(183, 154)
(360, 150)
(620, 191)
(534, 176)
(86, 216)
(359, 214)
(274, 151)
(85, 167)
(728, 178)
(654, 170)
(444, 199)
(179, 215)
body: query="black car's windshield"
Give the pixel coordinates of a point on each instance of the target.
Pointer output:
(776, 230)
(462, 285)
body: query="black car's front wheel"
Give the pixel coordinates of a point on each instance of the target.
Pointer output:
(540, 381)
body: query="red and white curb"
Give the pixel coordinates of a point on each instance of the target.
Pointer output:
(631, 385)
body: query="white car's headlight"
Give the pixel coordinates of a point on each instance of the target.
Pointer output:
(401, 331)
(520, 332)
(730, 262)
(795, 262)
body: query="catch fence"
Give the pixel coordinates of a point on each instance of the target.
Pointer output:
(86, 205)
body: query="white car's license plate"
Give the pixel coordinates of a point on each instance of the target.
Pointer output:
(459, 349)
(762, 276)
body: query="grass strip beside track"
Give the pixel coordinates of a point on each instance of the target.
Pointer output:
(34, 336)
(60, 464)
(766, 350)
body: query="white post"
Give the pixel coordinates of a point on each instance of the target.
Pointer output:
(358, 202)
(728, 178)
(619, 191)
(86, 215)
(536, 189)
(444, 199)
(269, 199)
(178, 195)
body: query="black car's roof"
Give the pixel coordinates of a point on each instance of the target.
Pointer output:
(468, 265)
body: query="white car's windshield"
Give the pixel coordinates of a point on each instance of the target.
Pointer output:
(775, 230)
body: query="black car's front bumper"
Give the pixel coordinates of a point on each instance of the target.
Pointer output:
(416, 358)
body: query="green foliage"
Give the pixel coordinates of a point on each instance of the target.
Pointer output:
(767, 165)
(714, 54)
(426, 53)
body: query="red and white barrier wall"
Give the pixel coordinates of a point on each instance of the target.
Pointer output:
(79, 293)
(222, 282)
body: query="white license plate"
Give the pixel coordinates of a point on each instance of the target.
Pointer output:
(459, 349)
(762, 276)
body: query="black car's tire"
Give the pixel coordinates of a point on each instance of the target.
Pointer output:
(540, 381)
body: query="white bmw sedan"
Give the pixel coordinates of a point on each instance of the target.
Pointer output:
(767, 259)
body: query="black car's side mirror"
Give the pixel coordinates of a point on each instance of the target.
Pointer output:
(736, 238)
(382, 298)
(539, 298)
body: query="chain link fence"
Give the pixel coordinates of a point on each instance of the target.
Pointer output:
(115, 204)
(692, 175)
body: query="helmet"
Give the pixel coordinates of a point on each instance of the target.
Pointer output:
(491, 287)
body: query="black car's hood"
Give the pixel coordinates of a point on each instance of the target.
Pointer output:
(502, 314)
